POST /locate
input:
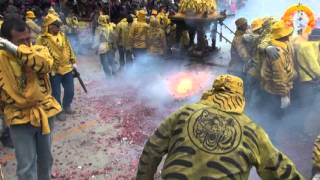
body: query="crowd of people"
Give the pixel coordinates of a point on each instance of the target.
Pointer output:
(280, 69)
(133, 37)
(280, 73)
(211, 139)
(39, 57)
(277, 66)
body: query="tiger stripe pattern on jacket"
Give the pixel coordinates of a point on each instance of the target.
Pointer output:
(61, 52)
(25, 90)
(316, 156)
(203, 141)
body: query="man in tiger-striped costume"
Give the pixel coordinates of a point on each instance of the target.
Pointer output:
(64, 61)
(26, 100)
(277, 74)
(214, 139)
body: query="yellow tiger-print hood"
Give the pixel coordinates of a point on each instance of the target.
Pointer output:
(226, 94)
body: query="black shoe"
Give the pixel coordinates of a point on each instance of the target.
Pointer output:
(61, 116)
(68, 110)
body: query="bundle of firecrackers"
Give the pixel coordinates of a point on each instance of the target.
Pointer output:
(195, 7)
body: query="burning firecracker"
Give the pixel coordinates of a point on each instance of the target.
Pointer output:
(187, 84)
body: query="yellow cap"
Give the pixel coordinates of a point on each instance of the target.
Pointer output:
(49, 19)
(257, 24)
(30, 15)
(154, 12)
(51, 11)
(280, 29)
(228, 83)
(141, 14)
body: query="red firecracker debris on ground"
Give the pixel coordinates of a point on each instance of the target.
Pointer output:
(124, 122)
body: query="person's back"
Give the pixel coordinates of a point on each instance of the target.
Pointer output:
(308, 61)
(156, 38)
(138, 32)
(102, 39)
(277, 74)
(214, 139)
(33, 26)
(122, 30)
(238, 52)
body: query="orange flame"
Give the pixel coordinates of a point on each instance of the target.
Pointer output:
(186, 84)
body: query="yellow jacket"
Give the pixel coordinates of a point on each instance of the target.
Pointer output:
(259, 54)
(35, 29)
(239, 53)
(213, 140)
(105, 38)
(254, 66)
(113, 35)
(308, 61)
(138, 34)
(122, 31)
(277, 75)
(26, 91)
(102, 39)
(156, 39)
(61, 51)
(163, 20)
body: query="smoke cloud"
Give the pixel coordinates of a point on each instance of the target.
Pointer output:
(293, 135)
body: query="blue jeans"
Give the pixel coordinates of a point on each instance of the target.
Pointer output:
(125, 56)
(107, 63)
(68, 85)
(33, 151)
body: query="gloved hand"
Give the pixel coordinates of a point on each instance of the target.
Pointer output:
(9, 46)
(316, 176)
(273, 52)
(285, 102)
(75, 66)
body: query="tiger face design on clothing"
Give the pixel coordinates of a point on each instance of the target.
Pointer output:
(202, 142)
(213, 133)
